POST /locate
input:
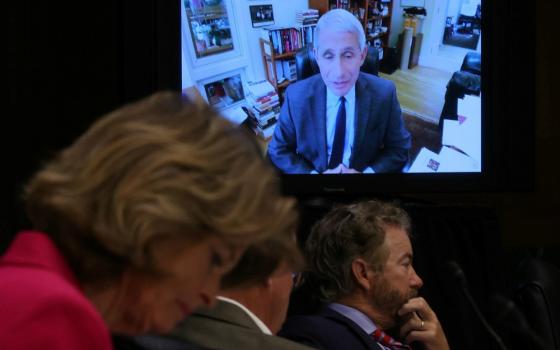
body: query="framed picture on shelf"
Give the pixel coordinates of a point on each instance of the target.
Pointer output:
(224, 92)
(209, 26)
(261, 15)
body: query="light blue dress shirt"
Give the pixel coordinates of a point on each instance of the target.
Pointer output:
(358, 317)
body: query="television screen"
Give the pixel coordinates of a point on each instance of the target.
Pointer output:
(416, 112)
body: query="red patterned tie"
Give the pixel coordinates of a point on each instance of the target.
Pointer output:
(386, 340)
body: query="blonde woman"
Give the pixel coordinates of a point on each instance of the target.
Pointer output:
(134, 225)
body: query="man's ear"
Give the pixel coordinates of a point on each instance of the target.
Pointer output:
(363, 274)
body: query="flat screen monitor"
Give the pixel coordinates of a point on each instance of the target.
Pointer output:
(428, 118)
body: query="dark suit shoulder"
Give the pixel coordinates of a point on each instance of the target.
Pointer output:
(312, 330)
(306, 86)
(370, 81)
(326, 330)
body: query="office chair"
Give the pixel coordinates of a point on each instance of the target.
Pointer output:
(465, 81)
(537, 294)
(472, 62)
(306, 65)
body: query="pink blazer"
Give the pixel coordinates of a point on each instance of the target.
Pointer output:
(41, 304)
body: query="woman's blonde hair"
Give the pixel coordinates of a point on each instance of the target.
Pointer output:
(156, 169)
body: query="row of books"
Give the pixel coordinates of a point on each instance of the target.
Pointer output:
(285, 70)
(307, 33)
(263, 107)
(341, 4)
(286, 39)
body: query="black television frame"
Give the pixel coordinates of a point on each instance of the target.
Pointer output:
(508, 102)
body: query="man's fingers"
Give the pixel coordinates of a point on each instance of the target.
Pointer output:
(419, 336)
(432, 338)
(420, 307)
(413, 323)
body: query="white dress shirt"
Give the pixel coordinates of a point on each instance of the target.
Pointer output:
(259, 323)
(333, 104)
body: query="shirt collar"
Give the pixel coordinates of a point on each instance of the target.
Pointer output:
(358, 317)
(332, 99)
(257, 321)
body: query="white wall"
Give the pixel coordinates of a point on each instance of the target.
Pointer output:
(453, 8)
(248, 54)
(434, 26)
(397, 23)
(284, 15)
(186, 79)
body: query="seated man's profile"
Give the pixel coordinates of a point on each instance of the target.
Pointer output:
(342, 120)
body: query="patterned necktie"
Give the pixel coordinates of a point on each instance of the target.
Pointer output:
(387, 341)
(339, 135)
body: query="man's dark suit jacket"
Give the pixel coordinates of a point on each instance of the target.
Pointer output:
(299, 143)
(327, 330)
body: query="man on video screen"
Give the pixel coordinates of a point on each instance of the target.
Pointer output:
(342, 120)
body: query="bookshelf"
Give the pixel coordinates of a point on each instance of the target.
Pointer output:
(278, 50)
(375, 16)
(269, 61)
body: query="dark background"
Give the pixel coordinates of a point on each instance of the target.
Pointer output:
(70, 62)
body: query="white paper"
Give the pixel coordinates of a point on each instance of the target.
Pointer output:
(465, 136)
(426, 162)
(235, 114)
(453, 161)
(471, 128)
(451, 133)
(469, 106)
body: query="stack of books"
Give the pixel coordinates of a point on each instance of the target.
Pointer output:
(264, 108)
(307, 17)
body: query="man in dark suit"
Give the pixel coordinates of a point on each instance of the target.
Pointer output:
(251, 307)
(360, 258)
(342, 120)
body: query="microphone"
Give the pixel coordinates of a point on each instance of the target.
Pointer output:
(459, 276)
(508, 313)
